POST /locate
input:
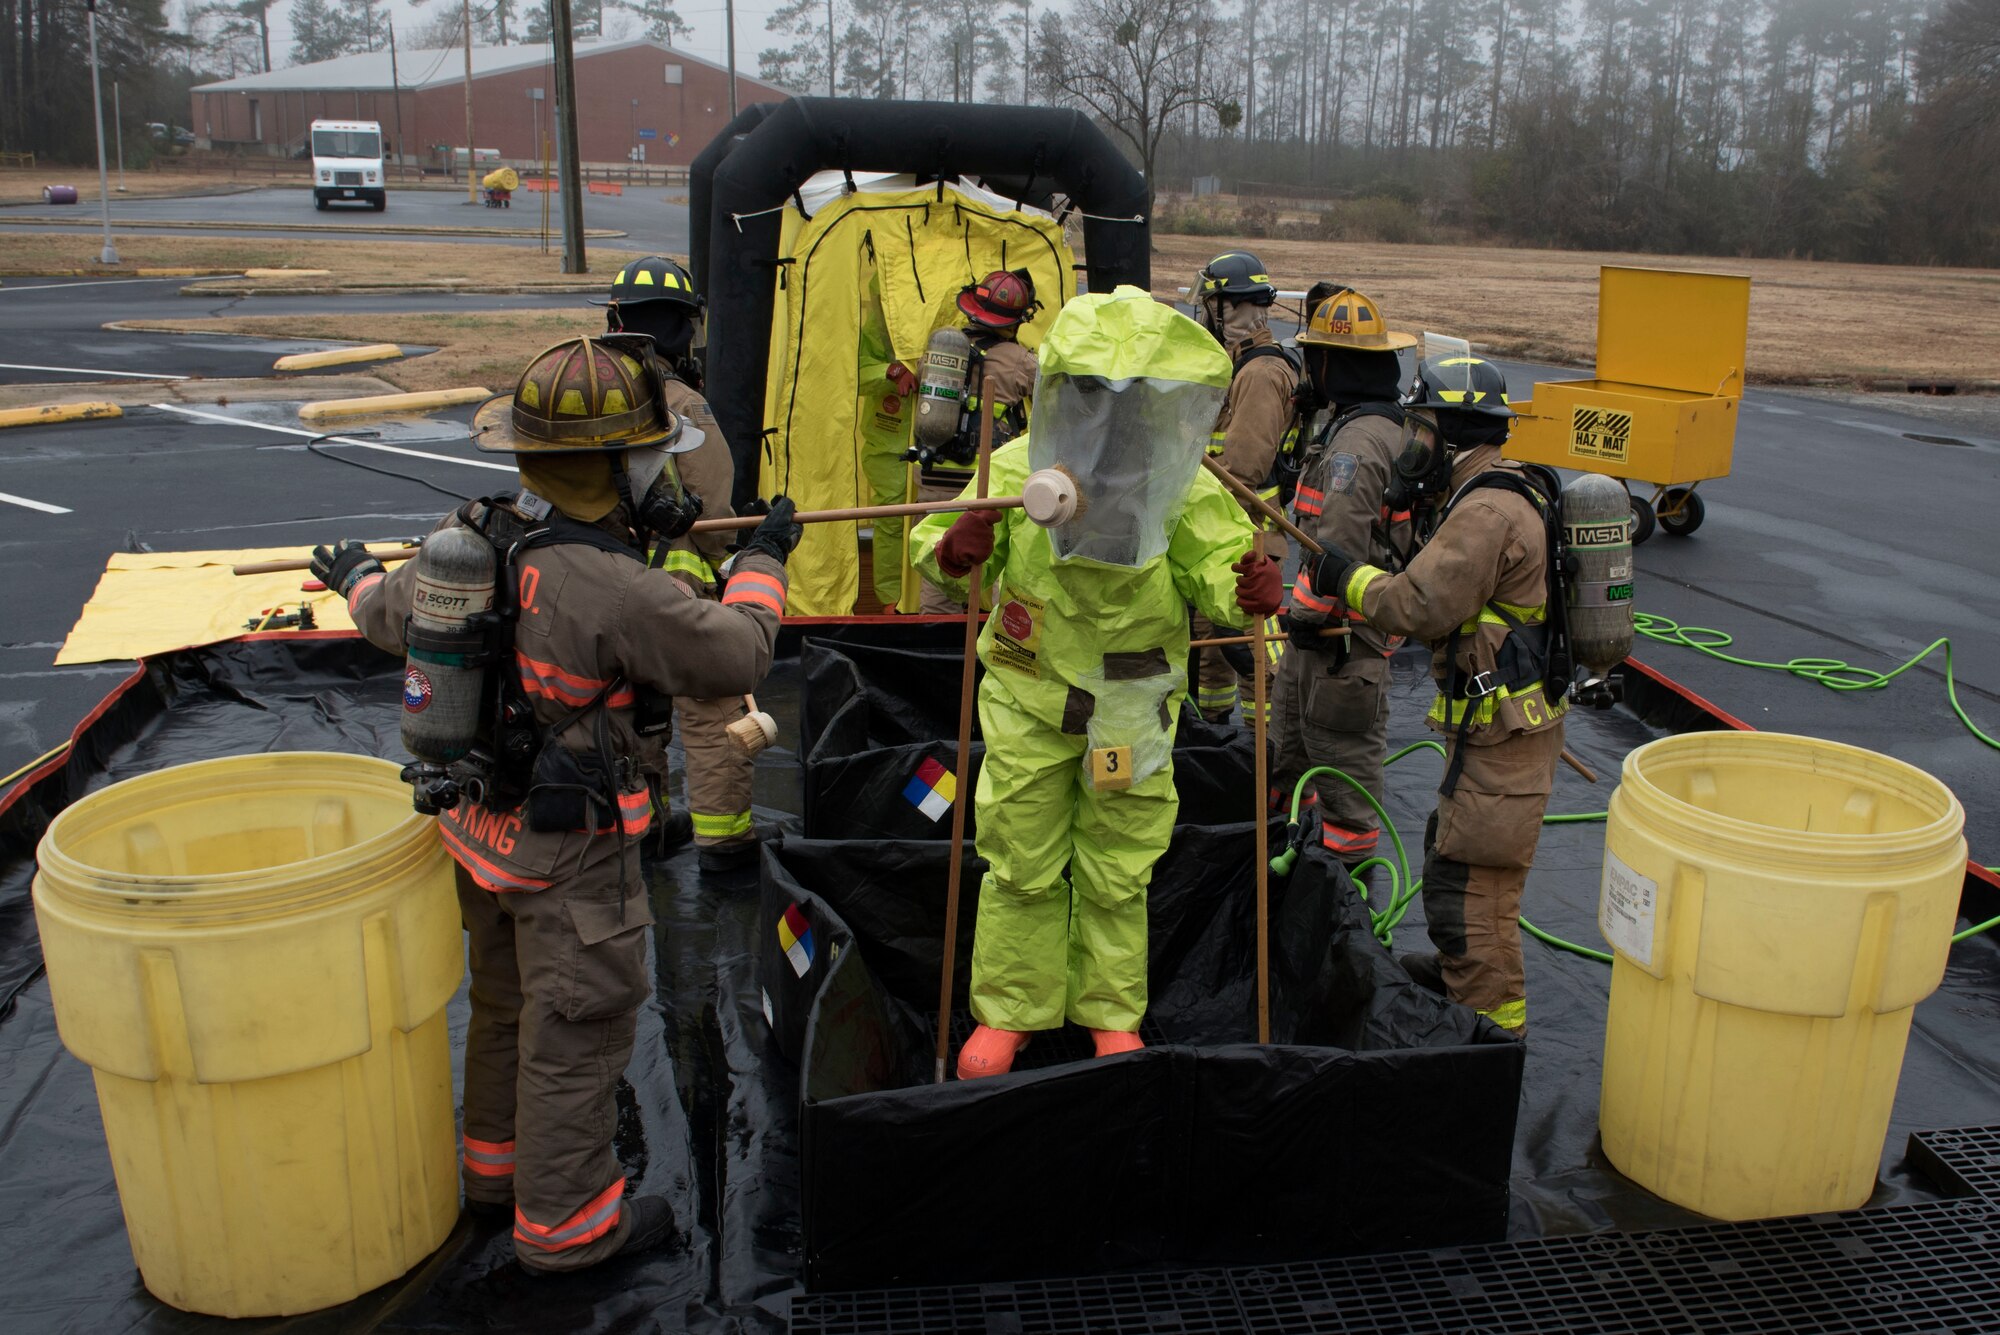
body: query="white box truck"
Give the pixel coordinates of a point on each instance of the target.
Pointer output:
(347, 164)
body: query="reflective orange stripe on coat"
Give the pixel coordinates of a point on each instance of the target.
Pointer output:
(483, 873)
(754, 586)
(489, 1158)
(365, 583)
(1344, 841)
(568, 688)
(598, 1217)
(1303, 596)
(635, 812)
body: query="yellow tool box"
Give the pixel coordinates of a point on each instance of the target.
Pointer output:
(1670, 349)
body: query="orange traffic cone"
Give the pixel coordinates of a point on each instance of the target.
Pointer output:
(1111, 1042)
(989, 1052)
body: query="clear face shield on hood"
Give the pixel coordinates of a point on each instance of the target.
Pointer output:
(1133, 446)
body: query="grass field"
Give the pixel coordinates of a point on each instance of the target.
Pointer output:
(1810, 322)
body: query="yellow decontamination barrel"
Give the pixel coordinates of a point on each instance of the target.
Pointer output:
(1776, 907)
(253, 955)
(502, 178)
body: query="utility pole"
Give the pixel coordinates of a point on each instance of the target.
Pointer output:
(471, 154)
(118, 129)
(1028, 8)
(1250, 71)
(572, 166)
(396, 91)
(729, 8)
(829, 48)
(110, 253)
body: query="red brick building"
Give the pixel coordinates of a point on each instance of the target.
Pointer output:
(637, 94)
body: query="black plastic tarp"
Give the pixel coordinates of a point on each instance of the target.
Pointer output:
(876, 718)
(1204, 1148)
(711, 1118)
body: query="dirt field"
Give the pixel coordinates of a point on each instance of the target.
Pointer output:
(351, 261)
(1809, 322)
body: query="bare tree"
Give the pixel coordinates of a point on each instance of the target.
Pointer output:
(1136, 65)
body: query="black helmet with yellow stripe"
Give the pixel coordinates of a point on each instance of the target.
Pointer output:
(1237, 275)
(654, 279)
(1459, 384)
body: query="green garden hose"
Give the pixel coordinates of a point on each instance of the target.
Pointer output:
(1403, 887)
(1828, 672)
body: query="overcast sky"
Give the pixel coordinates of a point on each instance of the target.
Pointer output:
(705, 16)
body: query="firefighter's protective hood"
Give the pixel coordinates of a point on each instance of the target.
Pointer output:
(1127, 393)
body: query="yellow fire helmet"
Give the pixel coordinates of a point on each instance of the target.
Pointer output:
(583, 395)
(1349, 320)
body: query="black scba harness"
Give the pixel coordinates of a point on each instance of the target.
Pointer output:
(1289, 462)
(517, 760)
(1529, 654)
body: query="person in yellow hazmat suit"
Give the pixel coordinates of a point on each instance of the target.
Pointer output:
(1086, 654)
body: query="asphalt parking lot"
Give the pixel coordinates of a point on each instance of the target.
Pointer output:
(652, 217)
(1842, 533)
(51, 329)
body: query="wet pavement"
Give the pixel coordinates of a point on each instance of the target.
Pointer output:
(652, 217)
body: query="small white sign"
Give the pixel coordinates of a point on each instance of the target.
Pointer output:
(1626, 904)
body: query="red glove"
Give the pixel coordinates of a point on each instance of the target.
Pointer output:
(901, 377)
(1260, 585)
(968, 542)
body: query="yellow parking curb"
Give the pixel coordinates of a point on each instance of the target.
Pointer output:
(368, 352)
(422, 401)
(58, 412)
(287, 273)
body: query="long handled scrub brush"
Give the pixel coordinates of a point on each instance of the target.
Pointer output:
(754, 732)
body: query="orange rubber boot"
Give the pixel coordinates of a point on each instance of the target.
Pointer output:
(1111, 1042)
(989, 1052)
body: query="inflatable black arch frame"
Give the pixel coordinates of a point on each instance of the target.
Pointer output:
(741, 181)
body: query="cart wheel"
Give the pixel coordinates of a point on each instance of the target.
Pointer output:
(1642, 520)
(1682, 511)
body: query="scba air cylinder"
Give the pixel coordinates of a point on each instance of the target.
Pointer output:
(444, 675)
(941, 387)
(1597, 527)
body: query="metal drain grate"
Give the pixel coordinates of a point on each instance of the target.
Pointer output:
(1905, 1270)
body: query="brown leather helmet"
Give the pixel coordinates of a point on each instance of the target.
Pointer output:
(584, 395)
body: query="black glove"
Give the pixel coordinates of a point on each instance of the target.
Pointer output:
(343, 565)
(779, 533)
(1330, 572)
(669, 513)
(757, 506)
(1306, 635)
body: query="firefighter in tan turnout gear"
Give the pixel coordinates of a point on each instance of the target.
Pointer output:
(1478, 593)
(1332, 701)
(1232, 297)
(1001, 380)
(547, 847)
(656, 297)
